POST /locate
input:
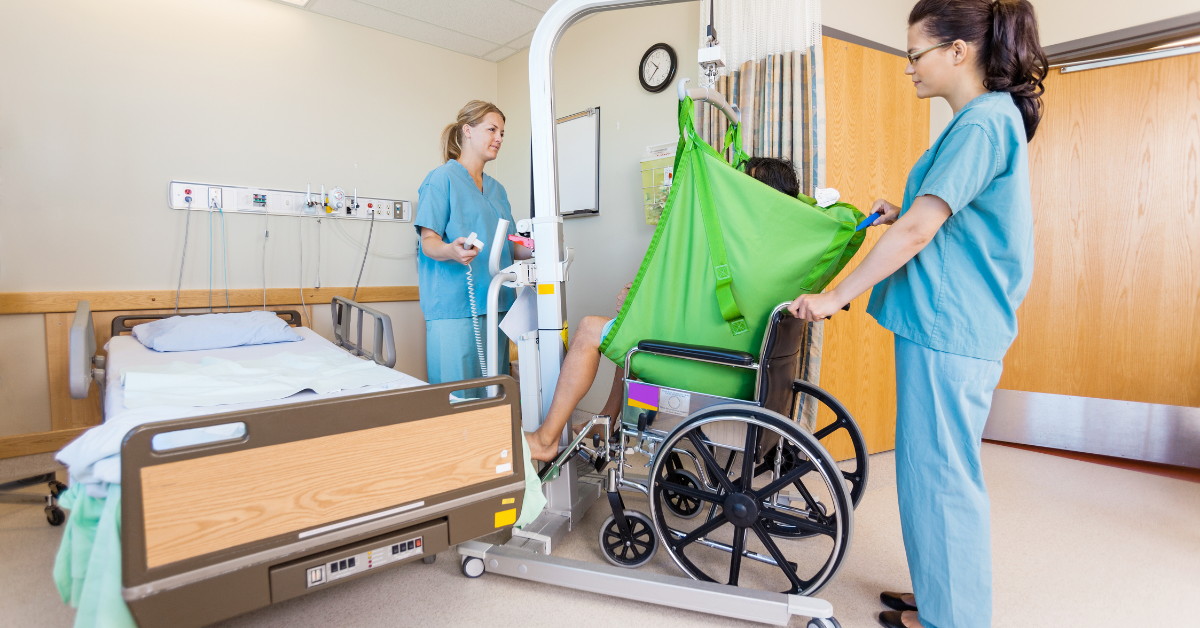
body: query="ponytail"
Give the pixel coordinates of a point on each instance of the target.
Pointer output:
(471, 114)
(1006, 34)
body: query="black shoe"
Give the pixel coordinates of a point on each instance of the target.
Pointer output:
(891, 619)
(896, 601)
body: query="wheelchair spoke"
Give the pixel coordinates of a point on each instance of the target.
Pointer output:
(717, 522)
(838, 424)
(781, 561)
(748, 455)
(788, 478)
(692, 493)
(711, 462)
(735, 560)
(809, 500)
(797, 522)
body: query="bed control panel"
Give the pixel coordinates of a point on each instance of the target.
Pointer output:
(357, 559)
(370, 559)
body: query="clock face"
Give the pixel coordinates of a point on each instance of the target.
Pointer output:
(657, 68)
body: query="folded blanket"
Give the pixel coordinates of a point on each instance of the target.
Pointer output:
(215, 381)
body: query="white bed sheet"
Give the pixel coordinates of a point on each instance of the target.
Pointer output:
(94, 459)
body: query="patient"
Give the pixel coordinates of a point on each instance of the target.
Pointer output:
(579, 368)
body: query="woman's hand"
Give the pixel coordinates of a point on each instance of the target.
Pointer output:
(888, 212)
(461, 254)
(816, 307)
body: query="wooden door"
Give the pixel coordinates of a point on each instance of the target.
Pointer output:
(1114, 309)
(876, 129)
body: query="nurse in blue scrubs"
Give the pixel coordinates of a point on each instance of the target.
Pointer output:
(948, 276)
(455, 200)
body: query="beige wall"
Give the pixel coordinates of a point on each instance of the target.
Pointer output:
(101, 104)
(595, 68)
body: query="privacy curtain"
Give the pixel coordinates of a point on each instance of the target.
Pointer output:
(775, 75)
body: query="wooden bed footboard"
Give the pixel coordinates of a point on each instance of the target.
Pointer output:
(211, 531)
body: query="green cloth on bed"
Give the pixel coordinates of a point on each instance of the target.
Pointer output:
(88, 567)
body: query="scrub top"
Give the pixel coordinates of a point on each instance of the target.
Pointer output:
(961, 292)
(449, 203)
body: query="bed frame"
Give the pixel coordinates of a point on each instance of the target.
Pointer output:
(312, 494)
(333, 480)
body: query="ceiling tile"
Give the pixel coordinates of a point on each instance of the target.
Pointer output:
(387, 21)
(496, 21)
(521, 42)
(540, 5)
(499, 54)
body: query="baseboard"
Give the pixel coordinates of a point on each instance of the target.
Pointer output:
(1147, 432)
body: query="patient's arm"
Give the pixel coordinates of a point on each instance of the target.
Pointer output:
(574, 380)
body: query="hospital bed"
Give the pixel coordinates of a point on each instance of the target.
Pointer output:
(228, 509)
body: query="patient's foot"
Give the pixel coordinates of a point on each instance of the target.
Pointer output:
(539, 451)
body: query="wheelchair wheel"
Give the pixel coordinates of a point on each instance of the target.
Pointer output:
(733, 543)
(634, 551)
(843, 423)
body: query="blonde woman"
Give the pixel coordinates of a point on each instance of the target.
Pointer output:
(455, 200)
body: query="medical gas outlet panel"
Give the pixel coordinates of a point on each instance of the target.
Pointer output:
(332, 203)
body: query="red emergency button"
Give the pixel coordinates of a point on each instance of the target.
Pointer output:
(418, 542)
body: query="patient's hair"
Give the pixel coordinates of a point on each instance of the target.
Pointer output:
(777, 173)
(473, 114)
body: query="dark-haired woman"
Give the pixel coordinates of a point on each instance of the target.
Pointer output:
(951, 272)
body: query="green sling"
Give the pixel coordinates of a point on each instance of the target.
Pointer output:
(728, 249)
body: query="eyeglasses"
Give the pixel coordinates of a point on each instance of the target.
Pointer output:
(913, 56)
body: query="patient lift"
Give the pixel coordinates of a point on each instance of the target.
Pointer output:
(719, 463)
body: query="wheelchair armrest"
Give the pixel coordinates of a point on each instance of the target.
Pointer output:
(697, 352)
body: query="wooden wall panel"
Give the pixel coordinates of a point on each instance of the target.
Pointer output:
(65, 412)
(1114, 309)
(46, 302)
(876, 129)
(207, 504)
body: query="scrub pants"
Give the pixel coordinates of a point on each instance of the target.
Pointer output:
(451, 354)
(943, 401)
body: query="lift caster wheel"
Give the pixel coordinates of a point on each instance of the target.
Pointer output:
(817, 622)
(635, 551)
(55, 515)
(430, 559)
(682, 506)
(472, 567)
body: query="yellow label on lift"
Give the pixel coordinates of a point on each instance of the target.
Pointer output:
(545, 288)
(506, 517)
(564, 334)
(509, 500)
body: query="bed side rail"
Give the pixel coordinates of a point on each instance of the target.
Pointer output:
(83, 365)
(383, 349)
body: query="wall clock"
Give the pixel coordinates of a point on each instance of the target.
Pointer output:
(657, 68)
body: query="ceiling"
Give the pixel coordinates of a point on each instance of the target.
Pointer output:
(488, 29)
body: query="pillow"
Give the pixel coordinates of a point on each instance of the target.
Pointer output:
(214, 331)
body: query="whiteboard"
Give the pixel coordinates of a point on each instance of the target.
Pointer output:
(578, 147)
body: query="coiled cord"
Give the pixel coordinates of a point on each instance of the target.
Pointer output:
(475, 323)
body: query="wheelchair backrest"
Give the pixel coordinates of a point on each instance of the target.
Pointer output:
(779, 362)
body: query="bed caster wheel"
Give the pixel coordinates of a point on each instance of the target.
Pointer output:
(55, 515)
(682, 506)
(818, 622)
(634, 551)
(472, 567)
(430, 559)
(57, 488)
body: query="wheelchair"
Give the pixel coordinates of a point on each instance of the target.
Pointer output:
(739, 491)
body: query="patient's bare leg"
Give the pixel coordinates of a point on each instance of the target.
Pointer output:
(576, 377)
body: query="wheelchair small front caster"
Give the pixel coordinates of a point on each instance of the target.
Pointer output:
(634, 551)
(818, 622)
(472, 567)
(55, 515)
(680, 505)
(430, 559)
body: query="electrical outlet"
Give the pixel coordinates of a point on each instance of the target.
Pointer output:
(214, 197)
